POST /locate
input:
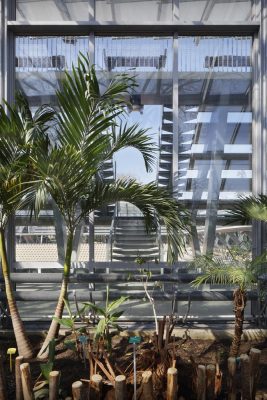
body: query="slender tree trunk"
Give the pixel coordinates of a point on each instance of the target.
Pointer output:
(240, 300)
(54, 326)
(23, 343)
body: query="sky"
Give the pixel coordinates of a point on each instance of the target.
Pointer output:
(129, 162)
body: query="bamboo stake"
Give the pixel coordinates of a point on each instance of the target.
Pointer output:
(96, 387)
(120, 387)
(3, 393)
(26, 380)
(231, 378)
(77, 390)
(254, 360)
(147, 386)
(172, 384)
(245, 377)
(210, 372)
(201, 382)
(19, 393)
(54, 377)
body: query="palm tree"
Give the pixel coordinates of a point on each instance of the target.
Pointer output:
(239, 270)
(19, 129)
(88, 134)
(248, 208)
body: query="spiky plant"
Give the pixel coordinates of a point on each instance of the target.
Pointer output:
(238, 270)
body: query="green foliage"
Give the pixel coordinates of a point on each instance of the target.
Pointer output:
(237, 269)
(248, 208)
(108, 319)
(48, 367)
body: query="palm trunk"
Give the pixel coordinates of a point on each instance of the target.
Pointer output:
(23, 343)
(240, 299)
(54, 326)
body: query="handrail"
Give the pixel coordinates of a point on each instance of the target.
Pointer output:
(112, 231)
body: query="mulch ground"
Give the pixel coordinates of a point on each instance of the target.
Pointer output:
(201, 351)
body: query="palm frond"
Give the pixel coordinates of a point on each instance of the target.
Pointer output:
(248, 208)
(156, 204)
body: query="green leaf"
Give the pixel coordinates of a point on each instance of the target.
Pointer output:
(116, 303)
(46, 369)
(65, 322)
(100, 328)
(70, 344)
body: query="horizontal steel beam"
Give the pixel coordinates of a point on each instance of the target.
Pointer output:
(197, 295)
(148, 28)
(24, 277)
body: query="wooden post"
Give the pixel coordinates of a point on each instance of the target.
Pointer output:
(201, 382)
(210, 372)
(147, 386)
(120, 387)
(26, 380)
(96, 387)
(3, 393)
(77, 390)
(231, 378)
(54, 377)
(245, 377)
(19, 392)
(254, 360)
(172, 384)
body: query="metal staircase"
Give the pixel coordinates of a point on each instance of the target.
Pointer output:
(166, 143)
(131, 239)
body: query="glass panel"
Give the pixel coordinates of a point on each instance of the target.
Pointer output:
(150, 60)
(52, 10)
(214, 135)
(133, 11)
(215, 10)
(40, 62)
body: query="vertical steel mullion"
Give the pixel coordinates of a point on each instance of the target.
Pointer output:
(175, 11)
(175, 116)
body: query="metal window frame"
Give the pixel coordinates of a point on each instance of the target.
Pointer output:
(257, 28)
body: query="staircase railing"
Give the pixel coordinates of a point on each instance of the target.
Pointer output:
(112, 232)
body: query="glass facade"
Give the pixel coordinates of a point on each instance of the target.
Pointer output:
(215, 134)
(197, 82)
(135, 11)
(52, 10)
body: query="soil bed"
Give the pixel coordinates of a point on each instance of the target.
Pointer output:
(187, 351)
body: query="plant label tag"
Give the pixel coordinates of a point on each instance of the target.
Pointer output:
(135, 339)
(83, 339)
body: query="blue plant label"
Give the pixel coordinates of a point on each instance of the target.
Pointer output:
(83, 339)
(135, 339)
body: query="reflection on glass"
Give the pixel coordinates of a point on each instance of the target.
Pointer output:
(40, 62)
(214, 133)
(215, 10)
(52, 10)
(150, 61)
(133, 11)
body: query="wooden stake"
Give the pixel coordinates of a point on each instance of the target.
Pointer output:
(254, 360)
(96, 387)
(19, 392)
(231, 378)
(26, 380)
(54, 378)
(77, 390)
(3, 393)
(120, 387)
(201, 382)
(147, 386)
(172, 384)
(210, 372)
(245, 377)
